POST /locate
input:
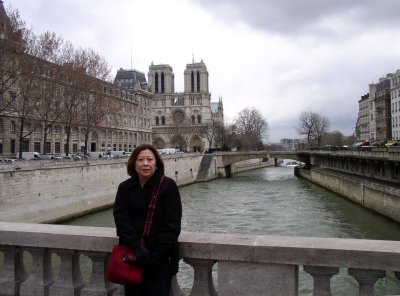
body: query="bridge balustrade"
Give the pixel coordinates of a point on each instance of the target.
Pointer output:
(247, 264)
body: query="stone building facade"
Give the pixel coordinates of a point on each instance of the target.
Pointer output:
(139, 112)
(374, 121)
(362, 126)
(179, 119)
(126, 125)
(395, 105)
(182, 120)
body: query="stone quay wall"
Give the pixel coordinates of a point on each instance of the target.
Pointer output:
(51, 191)
(48, 191)
(379, 197)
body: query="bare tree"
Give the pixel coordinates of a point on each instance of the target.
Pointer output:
(47, 48)
(71, 92)
(11, 48)
(24, 98)
(252, 128)
(211, 132)
(227, 137)
(95, 105)
(320, 128)
(27, 100)
(313, 125)
(334, 138)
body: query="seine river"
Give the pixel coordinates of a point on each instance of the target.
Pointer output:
(272, 201)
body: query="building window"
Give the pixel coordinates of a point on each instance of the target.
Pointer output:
(38, 128)
(162, 83)
(57, 147)
(156, 82)
(26, 127)
(157, 120)
(192, 81)
(163, 120)
(198, 81)
(36, 147)
(193, 119)
(25, 146)
(198, 118)
(47, 147)
(12, 127)
(12, 146)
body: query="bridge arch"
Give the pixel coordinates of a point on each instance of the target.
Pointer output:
(226, 159)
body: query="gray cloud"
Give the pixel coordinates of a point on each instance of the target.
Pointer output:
(303, 16)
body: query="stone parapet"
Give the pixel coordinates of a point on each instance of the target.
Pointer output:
(247, 264)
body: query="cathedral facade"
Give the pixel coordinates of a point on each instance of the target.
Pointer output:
(179, 120)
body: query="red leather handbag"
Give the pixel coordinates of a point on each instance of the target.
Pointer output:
(121, 272)
(125, 273)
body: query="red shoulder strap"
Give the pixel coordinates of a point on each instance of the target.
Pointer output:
(150, 212)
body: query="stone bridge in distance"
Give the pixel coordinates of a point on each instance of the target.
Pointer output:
(226, 159)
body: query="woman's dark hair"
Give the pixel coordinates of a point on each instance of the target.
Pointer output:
(134, 156)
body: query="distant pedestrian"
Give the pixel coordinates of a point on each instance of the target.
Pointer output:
(159, 254)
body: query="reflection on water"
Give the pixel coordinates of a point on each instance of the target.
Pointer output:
(272, 201)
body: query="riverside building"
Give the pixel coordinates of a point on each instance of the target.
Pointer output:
(379, 110)
(395, 105)
(61, 109)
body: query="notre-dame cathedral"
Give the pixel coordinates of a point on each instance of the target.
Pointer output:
(178, 119)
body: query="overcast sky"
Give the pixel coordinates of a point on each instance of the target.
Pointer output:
(279, 56)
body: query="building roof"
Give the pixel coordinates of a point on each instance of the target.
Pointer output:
(214, 107)
(123, 74)
(3, 13)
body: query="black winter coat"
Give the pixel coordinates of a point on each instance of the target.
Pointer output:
(161, 250)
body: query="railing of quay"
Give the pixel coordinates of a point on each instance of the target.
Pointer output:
(247, 264)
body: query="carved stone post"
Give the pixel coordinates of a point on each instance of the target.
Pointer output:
(98, 285)
(118, 290)
(40, 275)
(175, 289)
(366, 279)
(203, 283)
(70, 280)
(13, 272)
(322, 278)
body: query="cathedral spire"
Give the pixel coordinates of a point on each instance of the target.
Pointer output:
(3, 14)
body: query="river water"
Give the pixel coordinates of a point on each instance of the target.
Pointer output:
(272, 201)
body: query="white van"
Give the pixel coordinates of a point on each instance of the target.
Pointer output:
(168, 151)
(29, 155)
(118, 153)
(97, 154)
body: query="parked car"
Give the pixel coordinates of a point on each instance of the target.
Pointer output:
(391, 143)
(10, 160)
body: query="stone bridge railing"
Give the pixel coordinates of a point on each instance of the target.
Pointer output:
(247, 265)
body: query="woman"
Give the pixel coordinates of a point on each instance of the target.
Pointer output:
(159, 256)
